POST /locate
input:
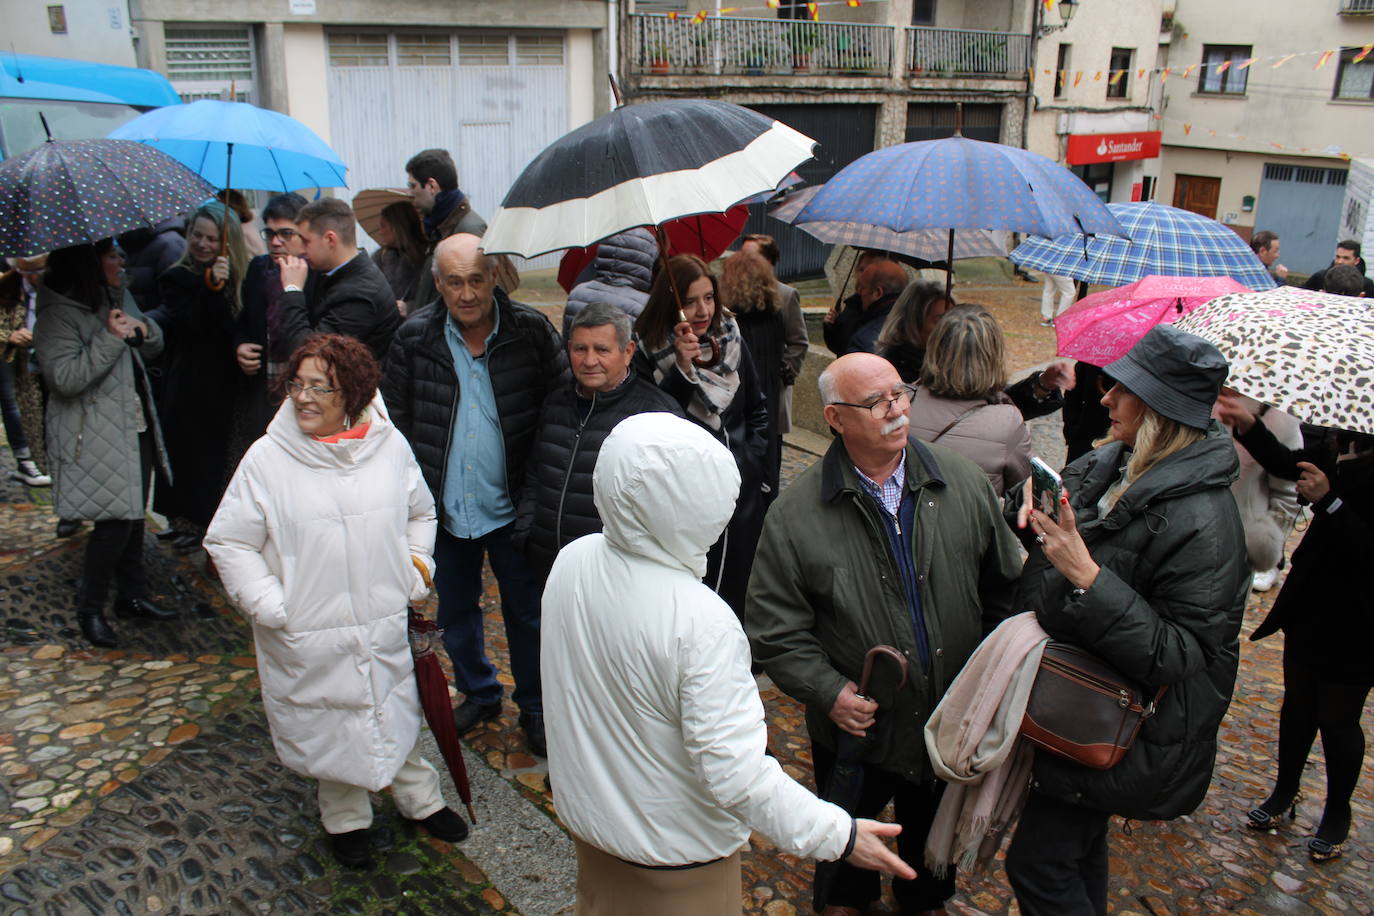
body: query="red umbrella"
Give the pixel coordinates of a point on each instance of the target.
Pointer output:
(705, 235)
(429, 676)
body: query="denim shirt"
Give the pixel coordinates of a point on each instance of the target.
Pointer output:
(476, 500)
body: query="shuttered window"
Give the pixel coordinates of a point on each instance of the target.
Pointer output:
(207, 62)
(358, 49)
(420, 50)
(483, 50)
(539, 50)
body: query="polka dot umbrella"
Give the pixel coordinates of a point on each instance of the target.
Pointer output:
(67, 192)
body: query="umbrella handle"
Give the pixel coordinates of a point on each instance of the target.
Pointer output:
(213, 284)
(424, 571)
(873, 655)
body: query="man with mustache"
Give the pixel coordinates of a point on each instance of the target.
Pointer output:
(886, 541)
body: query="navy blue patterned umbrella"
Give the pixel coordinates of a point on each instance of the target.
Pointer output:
(67, 192)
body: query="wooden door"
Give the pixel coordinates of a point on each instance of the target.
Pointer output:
(1198, 194)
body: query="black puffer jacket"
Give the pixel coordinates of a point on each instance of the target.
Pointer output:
(355, 300)
(1165, 611)
(526, 361)
(622, 272)
(556, 504)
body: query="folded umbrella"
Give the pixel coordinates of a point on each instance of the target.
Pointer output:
(67, 192)
(1104, 326)
(1307, 353)
(1161, 240)
(425, 637)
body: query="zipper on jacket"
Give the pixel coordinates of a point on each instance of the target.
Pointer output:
(567, 475)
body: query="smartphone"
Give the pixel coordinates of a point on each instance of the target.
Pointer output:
(1046, 486)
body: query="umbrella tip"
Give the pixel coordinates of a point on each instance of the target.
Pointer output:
(472, 815)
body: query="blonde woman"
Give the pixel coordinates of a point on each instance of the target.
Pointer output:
(1145, 568)
(749, 290)
(961, 403)
(903, 338)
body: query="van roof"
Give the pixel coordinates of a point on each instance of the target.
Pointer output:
(28, 76)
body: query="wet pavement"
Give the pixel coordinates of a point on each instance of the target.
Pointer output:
(142, 780)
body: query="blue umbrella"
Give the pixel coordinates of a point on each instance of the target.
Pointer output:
(251, 147)
(1162, 240)
(958, 183)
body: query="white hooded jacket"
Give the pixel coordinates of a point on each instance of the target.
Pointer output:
(655, 727)
(313, 543)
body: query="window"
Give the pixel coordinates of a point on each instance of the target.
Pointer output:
(358, 49)
(539, 50)
(1221, 71)
(419, 50)
(923, 12)
(1119, 73)
(207, 62)
(1061, 70)
(1354, 80)
(483, 50)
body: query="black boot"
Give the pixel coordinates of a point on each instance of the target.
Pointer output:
(142, 607)
(97, 629)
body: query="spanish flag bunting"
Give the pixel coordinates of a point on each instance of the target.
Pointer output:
(1116, 77)
(1283, 60)
(773, 4)
(1345, 156)
(699, 18)
(672, 15)
(1245, 64)
(727, 9)
(1049, 5)
(1225, 65)
(1321, 61)
(1097, 77)
(1077, 78)
(1187, 129)
(1364, 52)
(853, 2)
(815, 12)
(1164, 74)
(1189, 69)
(1140, 74)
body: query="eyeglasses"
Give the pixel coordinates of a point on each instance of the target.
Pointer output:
(880, 407)
(314, 392)
(269, 234)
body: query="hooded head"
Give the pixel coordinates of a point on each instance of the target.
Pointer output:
(665, 489)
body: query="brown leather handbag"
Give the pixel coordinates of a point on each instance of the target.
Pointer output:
(1082, 709)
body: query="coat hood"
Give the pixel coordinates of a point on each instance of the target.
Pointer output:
(665, 489)
(342, 454)
(627, 259)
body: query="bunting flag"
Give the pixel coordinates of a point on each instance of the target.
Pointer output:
(1225, 65)
(1188, 70)
(854, 2)
(1187, 129)
(673, 16)
(1245, 64)
(1116, 77)
(815, 12)
(1164, 74)
(1364, 52)
(699, 18)
(1097, 77)
(1077, 78)
(1321, 61)
(1141, 74)
(1283, 60)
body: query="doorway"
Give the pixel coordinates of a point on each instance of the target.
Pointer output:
(1198, 194)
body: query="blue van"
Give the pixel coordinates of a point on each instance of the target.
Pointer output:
(79, 99)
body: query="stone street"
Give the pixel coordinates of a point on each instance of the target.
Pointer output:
(143, 780)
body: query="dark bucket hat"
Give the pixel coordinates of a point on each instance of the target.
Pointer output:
(1176, 374)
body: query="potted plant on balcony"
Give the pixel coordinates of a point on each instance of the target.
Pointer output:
(757, 58)
(702, 38)
(658, 57)
(803, 38)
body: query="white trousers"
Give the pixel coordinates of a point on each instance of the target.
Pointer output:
(344, 807)
(1064, 287)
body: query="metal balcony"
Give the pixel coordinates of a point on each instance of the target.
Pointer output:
(1357, 7)
(759, 46)
(968, 53)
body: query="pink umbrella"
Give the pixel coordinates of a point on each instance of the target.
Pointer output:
(1102, 327)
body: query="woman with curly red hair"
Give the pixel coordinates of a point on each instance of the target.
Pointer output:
(316, 543)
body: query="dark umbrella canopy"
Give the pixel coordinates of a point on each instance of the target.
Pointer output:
(643, 165)
(68, 192)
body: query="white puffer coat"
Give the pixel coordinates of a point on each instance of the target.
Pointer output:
(655, 726)
(313, 543)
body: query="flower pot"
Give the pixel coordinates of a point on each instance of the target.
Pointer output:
(658, 66)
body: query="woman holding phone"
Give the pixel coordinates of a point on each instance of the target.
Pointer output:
(1144, 568)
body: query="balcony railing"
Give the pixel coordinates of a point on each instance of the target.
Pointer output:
(1357, 7)
(759, 46)
(967, 52)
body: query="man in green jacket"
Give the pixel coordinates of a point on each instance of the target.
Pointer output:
(886, 541)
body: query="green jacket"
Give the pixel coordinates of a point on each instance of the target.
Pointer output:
(826, 588)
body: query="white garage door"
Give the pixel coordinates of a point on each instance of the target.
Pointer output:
(494, 100)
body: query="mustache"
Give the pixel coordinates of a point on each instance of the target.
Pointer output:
(892, 426)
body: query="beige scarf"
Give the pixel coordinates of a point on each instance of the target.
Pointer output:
(974, 744)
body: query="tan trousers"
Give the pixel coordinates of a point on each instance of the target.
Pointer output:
(606, 886)
(344, 808)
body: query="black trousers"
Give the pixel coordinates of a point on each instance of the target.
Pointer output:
(915, 805)
(1057, 862)
(115, 550)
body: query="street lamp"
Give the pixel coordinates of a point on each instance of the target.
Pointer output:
(1066, 10)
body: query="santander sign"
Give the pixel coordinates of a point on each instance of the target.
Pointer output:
(1086, 148)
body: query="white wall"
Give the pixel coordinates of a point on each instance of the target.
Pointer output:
(97, 30)
(583, 81)
(307, 62)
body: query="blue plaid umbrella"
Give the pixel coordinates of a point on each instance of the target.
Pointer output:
(1162, 240)
(958, 183)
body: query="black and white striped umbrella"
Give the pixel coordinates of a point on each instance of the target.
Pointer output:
(642, 165)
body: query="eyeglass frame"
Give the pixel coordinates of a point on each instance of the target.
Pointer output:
(287, 233)
(317, 392)
(908, 391)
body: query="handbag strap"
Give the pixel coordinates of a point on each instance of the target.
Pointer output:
(956, 421)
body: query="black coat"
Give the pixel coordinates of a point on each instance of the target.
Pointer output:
(162, 246)
(526, 361)
(355, 300)
(1325, 608)
(744, 430)
(764, 338)
(196, 399)
(855, 329)
(1164, 611)
(556, 504)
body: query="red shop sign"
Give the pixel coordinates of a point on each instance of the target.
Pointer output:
(1086, 148)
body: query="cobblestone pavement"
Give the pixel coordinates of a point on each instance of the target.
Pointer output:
(142, 780)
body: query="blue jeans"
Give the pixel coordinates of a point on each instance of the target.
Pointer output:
(9, 410)
(458, 580)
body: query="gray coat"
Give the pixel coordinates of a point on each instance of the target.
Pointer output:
(94, 409)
